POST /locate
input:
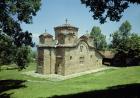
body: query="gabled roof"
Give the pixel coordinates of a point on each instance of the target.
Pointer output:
(86, 35)
(108, 54)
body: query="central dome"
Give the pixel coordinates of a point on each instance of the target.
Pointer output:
(66, 33)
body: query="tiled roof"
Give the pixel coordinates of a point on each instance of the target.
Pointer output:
(66, 26)
(108, 54)
(46, 35)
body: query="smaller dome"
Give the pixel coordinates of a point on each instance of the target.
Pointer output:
(45, 35)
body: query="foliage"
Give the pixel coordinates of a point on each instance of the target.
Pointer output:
(120, 38)
(12, 14)
(127, 45)
(6, 50)
(22, 57)
(112, 9)
(99, 39)
(10, 53)
(34, 54)
(134, 45)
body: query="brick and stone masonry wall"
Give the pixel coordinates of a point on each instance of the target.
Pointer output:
(73, 64)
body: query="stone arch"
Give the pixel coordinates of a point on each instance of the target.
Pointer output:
(83, 46)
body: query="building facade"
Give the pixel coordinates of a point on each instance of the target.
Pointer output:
(66, 53)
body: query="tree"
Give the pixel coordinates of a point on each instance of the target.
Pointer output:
(34, 55)
(120, 38)
(12, 14)
(6, 50)
(112, 9)
(126, 45)
(22, 57)
(10, 53)
(134, 45)
(99, 38)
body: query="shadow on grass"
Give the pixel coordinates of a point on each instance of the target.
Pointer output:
(120, 91)
(6, 85)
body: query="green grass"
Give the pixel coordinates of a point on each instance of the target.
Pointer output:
(95, 81)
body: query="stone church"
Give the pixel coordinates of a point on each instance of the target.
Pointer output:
(66, 53)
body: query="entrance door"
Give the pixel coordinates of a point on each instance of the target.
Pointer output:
(59, 70)
(58, 67)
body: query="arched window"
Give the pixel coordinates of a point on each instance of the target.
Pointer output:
(81, 48)
(91, 56)
(70, 57)
(81, 60)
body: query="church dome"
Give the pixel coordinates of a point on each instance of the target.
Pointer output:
(46, 35)
(66, 33)
(66, 26)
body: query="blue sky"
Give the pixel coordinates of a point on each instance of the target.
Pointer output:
(54, 12)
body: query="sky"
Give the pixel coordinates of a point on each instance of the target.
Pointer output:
(54, 13)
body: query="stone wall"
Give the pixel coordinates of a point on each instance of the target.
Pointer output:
(41, 40)
(79, 60)
(46, 61)
(70, 39)
(49, 61)
(46, 40)
(66, 35)
(59, 65)
(68, 60)
(40, 60)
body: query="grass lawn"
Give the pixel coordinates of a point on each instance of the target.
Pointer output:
(43, 88)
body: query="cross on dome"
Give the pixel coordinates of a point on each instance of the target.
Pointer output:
(66, 21)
